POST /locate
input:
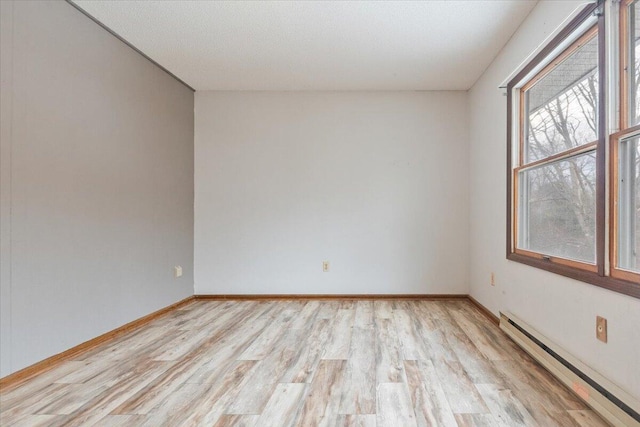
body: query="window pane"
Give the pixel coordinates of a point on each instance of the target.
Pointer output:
(629, 205)
(634, 54)
(557, 208)
(561, 108)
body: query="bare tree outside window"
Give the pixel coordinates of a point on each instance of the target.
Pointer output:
(557, 206)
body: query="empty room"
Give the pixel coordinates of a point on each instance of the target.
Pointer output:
(320, 213)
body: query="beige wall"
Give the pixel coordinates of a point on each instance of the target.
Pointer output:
(374, 182)
(97, 182)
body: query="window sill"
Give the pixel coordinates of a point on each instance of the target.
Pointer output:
(613, 284)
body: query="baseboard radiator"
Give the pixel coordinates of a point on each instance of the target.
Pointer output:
(613, 404)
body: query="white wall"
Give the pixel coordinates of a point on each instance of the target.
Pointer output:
(97, 182)
(561, 308)
(376, 183)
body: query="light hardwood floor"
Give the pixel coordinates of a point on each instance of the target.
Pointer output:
(303, 363)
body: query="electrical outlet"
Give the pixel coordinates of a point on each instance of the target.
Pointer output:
(601, 328)
(177, 271)
(325, 266)
(493, 278)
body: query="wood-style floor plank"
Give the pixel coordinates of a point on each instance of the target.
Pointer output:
(283, 406)
(172, 410)
(312, 347)
(257, 389)
(340, 339)
(230, 344)
(307, 315)
(383, 309)
(394, 407)
(461, 393)
(30, 403)
(359, 388)
(104, 403)
(12, 397)
(325, 363)
(505, 406)
(479, 369)
(411, 344)
(121, 421)
(322, 402)
(263, 344)
(238, 421)
(389, 367)
(70, 399)
(430, 403)
(209, 407)
(34, 421)
(477, 420)
(432, 329)
(355, 421)
(364, 315)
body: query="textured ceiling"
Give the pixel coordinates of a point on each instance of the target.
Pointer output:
(317, 45)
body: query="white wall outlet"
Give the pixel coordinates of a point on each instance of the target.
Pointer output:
(177, 271)
(325, 266)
